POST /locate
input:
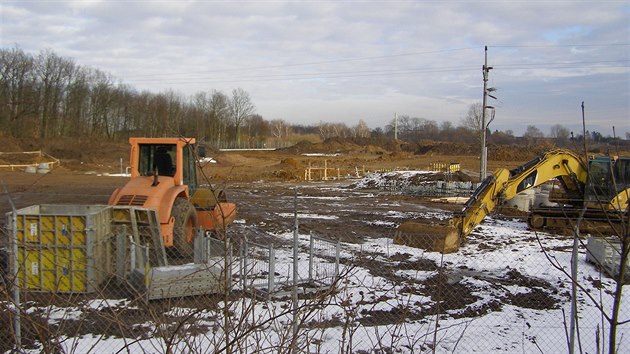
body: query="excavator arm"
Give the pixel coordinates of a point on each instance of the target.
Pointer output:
(504, 184)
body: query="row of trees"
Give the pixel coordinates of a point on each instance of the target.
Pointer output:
(46, 96)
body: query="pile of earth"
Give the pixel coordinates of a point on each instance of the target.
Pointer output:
(77, 154)
(289, 169)
(424, 147)
(336, 146)
(495, 152)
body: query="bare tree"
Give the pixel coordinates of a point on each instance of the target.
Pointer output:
(218, 115)
(334, 130)
(446, 129)
(17, 83)
(200, 104)
(361, 130)
(257, 128)
(560, 133)
(473, 117)
(279, 128)
(532, 133)
(241, 107)
(100, 103)
(53, 73)
(77, 103)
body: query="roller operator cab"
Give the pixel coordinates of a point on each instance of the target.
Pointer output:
(164, 178)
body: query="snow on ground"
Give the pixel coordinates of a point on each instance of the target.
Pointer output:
(321, 154)
(498, 294)
(497, 250)
(381, 180)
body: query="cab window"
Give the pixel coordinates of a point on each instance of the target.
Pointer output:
(157, 157)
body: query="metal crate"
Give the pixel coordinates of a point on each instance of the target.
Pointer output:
(62, 248)
(606, 253)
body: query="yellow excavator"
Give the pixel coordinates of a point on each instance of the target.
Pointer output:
(598, 189)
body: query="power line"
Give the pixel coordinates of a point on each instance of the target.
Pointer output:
(324, 75)
(560, 45)
(374, 73)
(341, 60)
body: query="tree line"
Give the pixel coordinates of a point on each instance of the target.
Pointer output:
(46, 96)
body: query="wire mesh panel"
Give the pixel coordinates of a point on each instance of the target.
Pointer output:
(258, 267)
(323, 260)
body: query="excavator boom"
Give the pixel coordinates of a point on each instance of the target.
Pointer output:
(504, 184)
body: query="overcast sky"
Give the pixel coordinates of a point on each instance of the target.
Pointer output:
(342, 61)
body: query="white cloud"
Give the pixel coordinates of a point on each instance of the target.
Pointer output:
(365, 59)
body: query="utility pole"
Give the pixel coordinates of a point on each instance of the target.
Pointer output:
(484, 126)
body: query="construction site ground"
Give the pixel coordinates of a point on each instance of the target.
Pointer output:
(253, 179)
(270, 186)
(263, 183)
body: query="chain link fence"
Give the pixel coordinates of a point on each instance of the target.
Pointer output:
(70, 285)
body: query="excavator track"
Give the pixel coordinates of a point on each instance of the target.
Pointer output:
(562, 221)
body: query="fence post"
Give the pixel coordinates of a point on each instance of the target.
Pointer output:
(310, 257)
(244, 264)
(132, 254)
(337, 252)
(16, 273)
(121, 252)
(272, 269)
(228, 253)
(201, 247)
(147, 268)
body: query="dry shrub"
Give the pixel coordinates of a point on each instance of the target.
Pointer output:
(9, 143)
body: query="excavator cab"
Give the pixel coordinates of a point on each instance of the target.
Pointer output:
(599, 184)
(608, 180)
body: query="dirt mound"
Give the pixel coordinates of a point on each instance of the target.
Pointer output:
(515, 152)
(289, 168)
(228, 160)
(335, 146)
(443, 148)
(87, 150)
(425, 148)
(495, 152)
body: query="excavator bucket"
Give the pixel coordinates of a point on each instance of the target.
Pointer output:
(431, 236)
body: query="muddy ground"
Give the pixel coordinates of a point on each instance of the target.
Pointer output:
(265, 185)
